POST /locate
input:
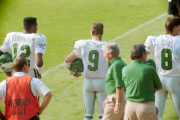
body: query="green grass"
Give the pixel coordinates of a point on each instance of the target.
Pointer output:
(65, 21)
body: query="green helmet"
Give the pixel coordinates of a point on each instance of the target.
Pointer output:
(77, 65)
(151, 62)
(6, 59)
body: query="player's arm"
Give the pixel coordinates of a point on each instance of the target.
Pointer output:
(68, 61)
(149, 44)
(45, 102)
(39, 52)
(39, 63)
(40, 89)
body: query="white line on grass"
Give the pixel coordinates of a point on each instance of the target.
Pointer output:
(138, 27)
(114, 39)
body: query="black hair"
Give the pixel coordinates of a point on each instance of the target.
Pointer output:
(28, 22)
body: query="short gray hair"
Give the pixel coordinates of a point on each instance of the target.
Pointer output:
(137, 50)
(111, 48)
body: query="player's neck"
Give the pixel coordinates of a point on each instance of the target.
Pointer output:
(27, 32)
(173, 34)
(95, 38)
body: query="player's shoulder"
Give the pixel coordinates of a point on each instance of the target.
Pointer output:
(13, 33)
(89, 42)
(40, 38)
(153, 37)
(104, 42)
(82, 42)
(38, 35)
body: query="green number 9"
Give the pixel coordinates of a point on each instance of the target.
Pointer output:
(93, 60)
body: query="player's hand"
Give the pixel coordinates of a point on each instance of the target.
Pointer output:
(76, 75)
(117, 109)
(8, 72)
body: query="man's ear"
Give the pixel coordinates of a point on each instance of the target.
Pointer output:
(110, 55)
(175, 28)
(24, 68)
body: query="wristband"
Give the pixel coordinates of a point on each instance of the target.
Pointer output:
(118, 103)
(68, 64)
(40, 69)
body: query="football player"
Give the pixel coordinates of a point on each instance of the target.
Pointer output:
(95, 69)
(166, 50)
(28, 44)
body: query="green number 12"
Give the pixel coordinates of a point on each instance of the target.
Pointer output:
(24, 47)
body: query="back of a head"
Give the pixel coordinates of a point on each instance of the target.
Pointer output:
(170, 23)
(97, 29)
(19, 63)
(111, 48)
(136, 51)
(28, 22)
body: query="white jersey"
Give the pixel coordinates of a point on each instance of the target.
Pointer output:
(166, 50)
(24, 45)
(95, 65)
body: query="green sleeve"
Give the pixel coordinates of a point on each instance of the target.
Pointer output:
(157, 82)
(117, 75)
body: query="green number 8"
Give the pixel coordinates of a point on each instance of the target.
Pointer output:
(167, 59)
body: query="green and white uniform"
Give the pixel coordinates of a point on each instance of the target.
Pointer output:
(166, 50)
(95, 69)
(25, 45)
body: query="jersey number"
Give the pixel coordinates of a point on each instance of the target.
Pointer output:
(24, 47)
(93, 58)
(166, 59)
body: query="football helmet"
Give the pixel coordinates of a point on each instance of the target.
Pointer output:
(77, 65)
(5, 61)
(151, 62)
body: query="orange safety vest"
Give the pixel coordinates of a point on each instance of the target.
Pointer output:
(20, 103)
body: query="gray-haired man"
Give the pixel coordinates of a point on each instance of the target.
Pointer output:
(115, 102)
(141, 81)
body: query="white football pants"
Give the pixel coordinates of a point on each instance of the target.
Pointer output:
(170, 84)
(94, 89)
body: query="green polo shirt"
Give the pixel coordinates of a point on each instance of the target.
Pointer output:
(114, 75)
(140, 80)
